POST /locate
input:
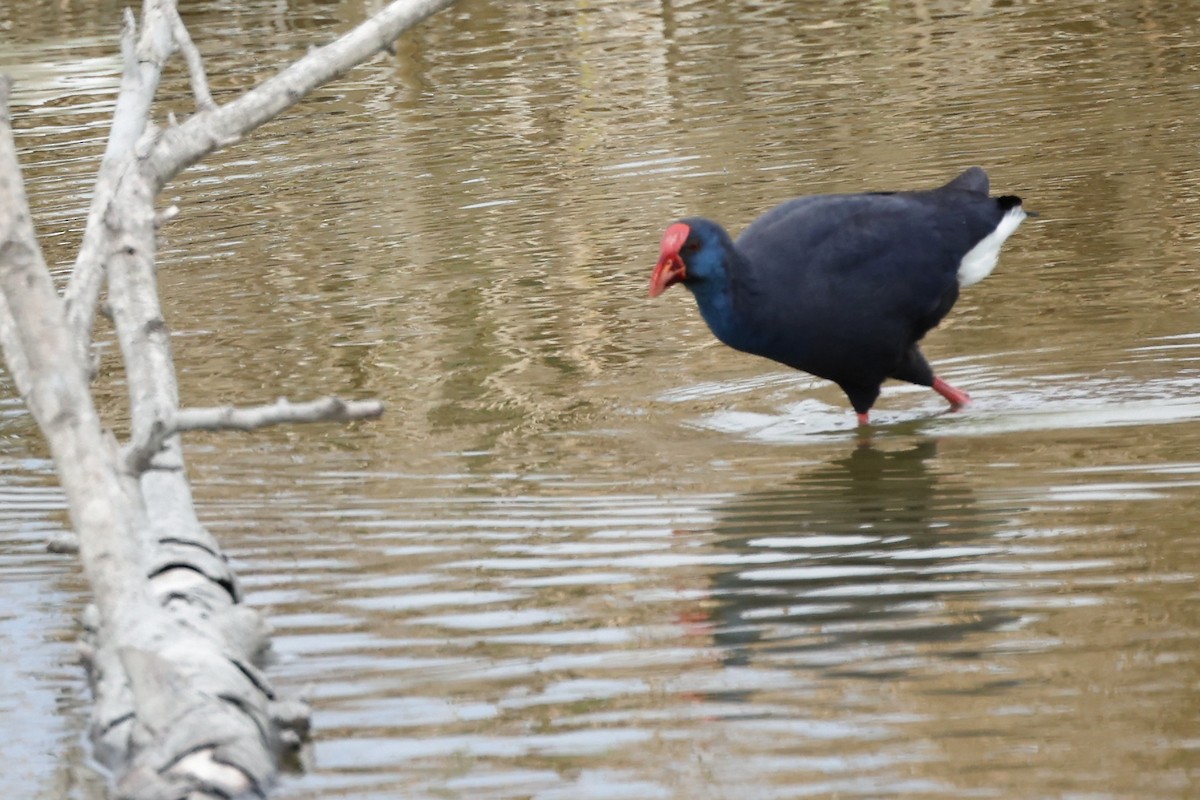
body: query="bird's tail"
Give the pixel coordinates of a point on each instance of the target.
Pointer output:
(1010, 201)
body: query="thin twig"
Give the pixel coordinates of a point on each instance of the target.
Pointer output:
(183, 39)
(226, 418)
(139, 456)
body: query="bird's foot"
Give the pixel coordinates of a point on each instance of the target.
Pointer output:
(956, 397)
(862, 418)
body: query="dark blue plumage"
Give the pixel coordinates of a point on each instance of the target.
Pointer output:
(843, 286)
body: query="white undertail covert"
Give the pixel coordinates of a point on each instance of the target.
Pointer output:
(981, 260)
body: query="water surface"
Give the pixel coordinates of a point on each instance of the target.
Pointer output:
(588, 552)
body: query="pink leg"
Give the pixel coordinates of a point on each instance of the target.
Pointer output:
(956, 397)
(862, 419)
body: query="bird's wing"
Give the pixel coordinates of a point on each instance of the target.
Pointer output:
(879, 253)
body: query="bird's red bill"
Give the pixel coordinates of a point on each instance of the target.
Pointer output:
(670, 268)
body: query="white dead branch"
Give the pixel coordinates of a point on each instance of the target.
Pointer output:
(182, 710)
(139, 456)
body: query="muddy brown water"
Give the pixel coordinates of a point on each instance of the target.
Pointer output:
(589, 553)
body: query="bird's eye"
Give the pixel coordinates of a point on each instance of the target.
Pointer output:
(689, 248)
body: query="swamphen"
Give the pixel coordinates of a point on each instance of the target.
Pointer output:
(844, 286)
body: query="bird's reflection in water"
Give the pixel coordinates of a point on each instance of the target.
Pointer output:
(869, 565)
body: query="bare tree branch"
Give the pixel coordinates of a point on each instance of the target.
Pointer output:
(145, 658)
(181, 710)
(204, 100)
(328, 409)
(143, 62)
(12, 206)
(185, 145)
(139, 455)
(53, 384)
(208, 130)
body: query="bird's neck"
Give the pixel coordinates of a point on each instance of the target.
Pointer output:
(723, 303)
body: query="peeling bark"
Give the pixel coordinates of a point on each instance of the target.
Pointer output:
(181, 707)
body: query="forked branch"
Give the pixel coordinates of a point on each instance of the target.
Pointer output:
(179, 709)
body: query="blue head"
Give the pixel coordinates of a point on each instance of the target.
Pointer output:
(699, 254)
(696, 253)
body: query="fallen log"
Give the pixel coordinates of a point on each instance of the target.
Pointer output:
(182, 709)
